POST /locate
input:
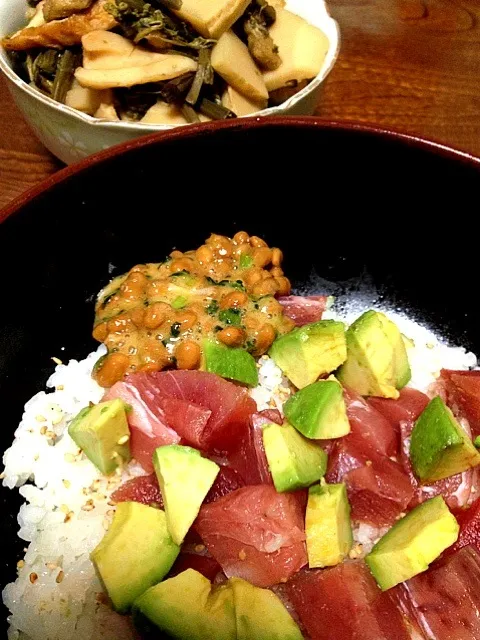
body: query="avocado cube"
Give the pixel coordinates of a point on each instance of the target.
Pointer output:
(187, 606)
(327, 525)
(318, 411)
(311, 351)
(377, 362)
(185, 478)
(230, 363)
(260, 614)
(413, 543)
(439, 447)
(102, 432)
(135, 553)
(294, 462)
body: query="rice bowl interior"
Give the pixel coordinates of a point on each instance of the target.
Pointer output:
(68, 503)
(78, 285)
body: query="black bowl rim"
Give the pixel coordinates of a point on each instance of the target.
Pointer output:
(304, 122)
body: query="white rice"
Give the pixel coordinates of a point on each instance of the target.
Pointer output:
(56, 595)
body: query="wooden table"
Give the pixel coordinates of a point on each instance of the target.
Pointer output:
(410, 64)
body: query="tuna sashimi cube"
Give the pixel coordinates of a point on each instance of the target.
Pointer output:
(445, 600)
(256, 533)
(304, 309)
(344, 603)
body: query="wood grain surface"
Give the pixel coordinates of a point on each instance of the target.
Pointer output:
(409, 64)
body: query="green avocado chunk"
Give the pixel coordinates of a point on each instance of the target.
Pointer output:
(102, 432)
(187, 607)
(294, 462)
(311, 351)
(185, 478)
(230, 363)
(135, 553)
(327, 525)
(260, 614)
(413, 543)
(439, 447)
(318, 410)
(377, 362)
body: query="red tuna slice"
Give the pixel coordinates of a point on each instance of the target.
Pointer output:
(227, 481)
(408, 406)
(249, 458)
(445, 600)
(187, 419)
(142, 447)
(230, 405)
(370, 425)
(148, 430)
(304, 309)
(378, 487)
(145, 489)
(344, 603)
(469, 521)
(379, 492)
(256, 534)
(141, 417)
(456, 490)
(463, 395)
(206, 565)
(142, 489)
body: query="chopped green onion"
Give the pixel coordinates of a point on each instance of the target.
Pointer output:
(212, 308)
(180, 302)
(245, 261)
(230, 316)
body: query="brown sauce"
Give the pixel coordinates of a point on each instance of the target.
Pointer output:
(157, 315)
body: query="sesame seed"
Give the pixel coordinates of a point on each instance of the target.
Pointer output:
(60, 387)
(69, 516)
(112, 503)
(43, 431)
(21, 564)
(67, 484)
(69, 457)
(33, 577)
(40, 418)
(60, 577)
(56, 360)
(111, 512)
(124, 439)
(242, 554)
(2, 475)
(50, 435)
(88, 507)
(368, 463)
(64, 508)
(199, 548)
(106, 524)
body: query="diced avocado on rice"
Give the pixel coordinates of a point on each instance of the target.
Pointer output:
(69, 512)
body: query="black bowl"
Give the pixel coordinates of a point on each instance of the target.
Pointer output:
(359, 207)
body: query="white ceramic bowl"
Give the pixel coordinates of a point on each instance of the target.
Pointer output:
(71, 135)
